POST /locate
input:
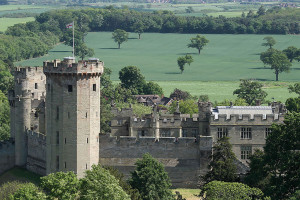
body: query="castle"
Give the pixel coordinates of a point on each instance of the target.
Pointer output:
(55, 126)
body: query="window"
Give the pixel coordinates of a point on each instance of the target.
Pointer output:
(184, 132)
(246, 151)
(87, 140)
(57, 163)
(57, 137)
(35, 86)
(195, 132)
(165, 132)
(70, 88)
(94, 87)
(57, 112)
(222, 132)
(85, 165)
(142, 133)
(267, 132)
(65, 140)
(65, 164)
(119, 122)
(246, 133)
(86, 115)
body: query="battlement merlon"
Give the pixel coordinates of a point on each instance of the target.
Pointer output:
(68, 67)
(26, 72)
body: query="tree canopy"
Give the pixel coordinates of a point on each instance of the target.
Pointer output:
(250, 91)
(132, 78)
(181, 61)
(277, 60)
(222, 166)
(120, 36)
(29, 191)
(270, 42)
(198, 43)
(292, 53)
(151, 179)
(178, 94)
(83, 51)
(188, 106)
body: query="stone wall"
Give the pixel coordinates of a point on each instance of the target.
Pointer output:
(183, 159)
(36, 159)
(7, 155)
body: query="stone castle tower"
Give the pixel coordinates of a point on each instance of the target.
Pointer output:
(73, 114)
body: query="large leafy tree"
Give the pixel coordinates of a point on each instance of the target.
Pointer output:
(83, 51)
(98, 183)
(120, 36)
(185, 107)
(139, 27)
(29, 191)
(181, 61)
(222, 166)
(270, 42)
(132, 78)
(198, 43)
(153, 88)
(4, 117)
(292, 53)
(61, 185)
(277, 60)
(250, 91)
(295, 88)
(278, 168)
(219, 190)
(178, 94)
(151, 179)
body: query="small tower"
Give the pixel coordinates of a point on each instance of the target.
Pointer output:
(72, 114)
(204, 115)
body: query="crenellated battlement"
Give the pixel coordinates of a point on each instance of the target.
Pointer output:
(36, 135)
(246, 118)
(27, 72)
(69, 67)
(7, 144)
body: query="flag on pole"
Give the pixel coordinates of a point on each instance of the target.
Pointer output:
(69, 25)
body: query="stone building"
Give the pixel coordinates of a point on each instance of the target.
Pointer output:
(55, 126)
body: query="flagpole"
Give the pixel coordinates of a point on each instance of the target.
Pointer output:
(73, 39)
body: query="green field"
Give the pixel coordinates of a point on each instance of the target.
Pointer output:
(216, 72)
(6, 22)
(189, 194)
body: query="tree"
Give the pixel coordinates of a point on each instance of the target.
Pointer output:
(222, 167)
(261, 11)
(181, 61)
(83, 51)
(153, 88)
(185, 107)
(219, 190)
(29, 191)
(277, 60)
(189, 9)
(280, 160)
(178, 94)
(293, 104)
(139, 27)
(120, 36)
(270, 42)
(198, 42)
(295, 88)
(61, 185)
(4, 117)
(151, 179)
(292, 53)
(132, 78)
(250, 91)
(98, 183)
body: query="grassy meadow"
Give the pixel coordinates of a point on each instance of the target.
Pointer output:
(216, 72)
(188, 194)
(6, 22)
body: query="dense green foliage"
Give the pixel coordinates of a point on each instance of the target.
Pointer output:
(9, 188)
(98, 183)
(222, 166)
(198, 42)
(277, 170)
(250, 91)
(120, 36)
(185, 107)
(150, 179)
(4, 117)
(219, 190)
(182, 60)
(270, 42)
(295, 88)
(61, 185)
(178, 94)
(28, 191)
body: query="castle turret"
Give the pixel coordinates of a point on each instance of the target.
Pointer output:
(72, 114)
(204, 115)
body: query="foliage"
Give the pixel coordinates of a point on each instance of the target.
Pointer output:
(292, 53)
(222, 166)
(295, 196)
(137, 108)
(29, 191)
(83, 51)
(278, 166)
(270, 42)
(188, 106)
(181, 61)
(277, 60)
(178, 94)
(61, 185)
(4, 117)
(9, 188)
(227, 102)
(219, 190)
(150, 179)
(250, 91)
(133, 193)
(198, 43)
(132, 78)
(120, 36)
(295, 88)
(98, 183)
(204, 98)
(153, 88)
(139, 27)
(293, 104)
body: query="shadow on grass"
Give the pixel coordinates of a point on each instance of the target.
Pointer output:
(263, 79)
(187, 54)
(260, 68)
(133, 38)
(296, 68)
(108, 48)
(172, 73)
